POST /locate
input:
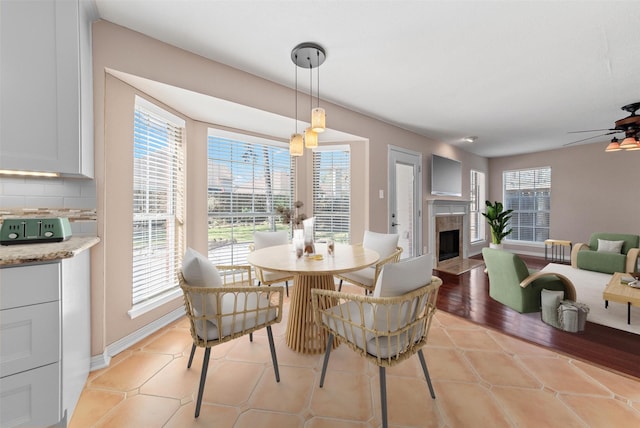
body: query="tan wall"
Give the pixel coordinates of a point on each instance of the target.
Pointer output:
(117, 48)
(591, 191)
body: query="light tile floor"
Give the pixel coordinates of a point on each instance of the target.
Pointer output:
(482, 378)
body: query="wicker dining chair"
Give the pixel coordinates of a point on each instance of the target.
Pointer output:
(224, 307)
(386, 244)
(388, 327)
(265, 240)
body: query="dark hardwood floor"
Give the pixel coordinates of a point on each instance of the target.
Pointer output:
(467, 295)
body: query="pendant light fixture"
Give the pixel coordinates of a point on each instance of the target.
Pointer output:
(296, 146)
(308, 56)
(310, 136)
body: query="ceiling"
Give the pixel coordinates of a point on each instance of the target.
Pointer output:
(519, 75)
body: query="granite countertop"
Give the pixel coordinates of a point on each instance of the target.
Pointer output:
(11, 255)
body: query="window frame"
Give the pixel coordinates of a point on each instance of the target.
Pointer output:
(325, 226)
(477, 205)
(541, 199)
(170, 195)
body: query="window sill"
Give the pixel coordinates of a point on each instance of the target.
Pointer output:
(156, 302)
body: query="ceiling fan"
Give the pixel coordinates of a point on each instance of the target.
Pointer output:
(630, 125)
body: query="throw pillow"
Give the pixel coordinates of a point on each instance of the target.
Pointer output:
(198, 271)
(610, 246)
(404, 276)
(382, 243)
(550, 301)
(269, 239)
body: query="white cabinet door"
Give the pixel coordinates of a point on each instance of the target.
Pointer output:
(31, 399)
(30, 337)
(40, 84)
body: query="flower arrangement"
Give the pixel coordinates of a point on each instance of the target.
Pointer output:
(292, 216)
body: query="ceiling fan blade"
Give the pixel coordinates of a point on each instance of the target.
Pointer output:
(590, 130)
(589, 138)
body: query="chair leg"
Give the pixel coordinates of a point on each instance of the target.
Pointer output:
(383, 396)
(203, 378)
(340, 286)
(286, 284)
(274, 358)
(426, 373)
(250, 337)
(327, 352)
(193, 351)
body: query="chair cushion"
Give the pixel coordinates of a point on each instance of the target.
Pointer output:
(269, 239)
(382, 243)
(363, 276)
(404, 276)
(198, 271)
(256, 306)
(271, 276)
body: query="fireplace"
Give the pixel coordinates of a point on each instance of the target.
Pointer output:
(448, 238)
(449, 247)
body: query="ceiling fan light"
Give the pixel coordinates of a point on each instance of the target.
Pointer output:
(310, 138)
(614, 146)
(296, 145)
(636, 147)
(628, 143)
(318, 120)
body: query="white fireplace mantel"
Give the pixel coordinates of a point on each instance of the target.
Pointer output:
(447, 207)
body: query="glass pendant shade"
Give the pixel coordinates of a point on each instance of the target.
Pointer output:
(613, 146)
(310, 138)
(318, 119)
(628, 143)
(296, 146)
(636, 147)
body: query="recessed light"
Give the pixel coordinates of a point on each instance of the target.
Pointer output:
(470, 139)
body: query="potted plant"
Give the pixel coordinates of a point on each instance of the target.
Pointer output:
(498, 220)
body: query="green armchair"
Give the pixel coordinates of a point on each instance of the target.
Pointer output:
(597, 257)
(513, 284)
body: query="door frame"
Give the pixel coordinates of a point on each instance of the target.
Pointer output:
(416, 160)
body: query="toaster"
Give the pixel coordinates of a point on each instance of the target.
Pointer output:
(34, 230)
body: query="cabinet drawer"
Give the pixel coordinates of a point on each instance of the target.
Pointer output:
(32, 398)
(29, 337)
(29, 285)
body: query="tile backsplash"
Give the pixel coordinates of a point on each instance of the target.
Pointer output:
(51, 194)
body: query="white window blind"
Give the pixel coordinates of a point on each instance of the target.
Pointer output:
(477, 206)
(332, 192)
(248, 178)
(528, 193)
(158, 202)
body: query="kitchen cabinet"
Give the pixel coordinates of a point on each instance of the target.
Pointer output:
(45, 341)
(46, 89)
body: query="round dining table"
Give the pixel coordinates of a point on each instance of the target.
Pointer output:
(310, 271)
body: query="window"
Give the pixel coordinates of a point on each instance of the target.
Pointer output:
(332, 192)
(528, 193)
(158, 204)
(476, 207)
(248, 178)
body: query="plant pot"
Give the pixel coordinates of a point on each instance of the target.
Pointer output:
(496, 246)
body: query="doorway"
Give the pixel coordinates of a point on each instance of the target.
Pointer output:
(405, 209)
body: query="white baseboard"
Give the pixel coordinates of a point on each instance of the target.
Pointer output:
(102, 360)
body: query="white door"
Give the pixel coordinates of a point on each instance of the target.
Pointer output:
(405, 209)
